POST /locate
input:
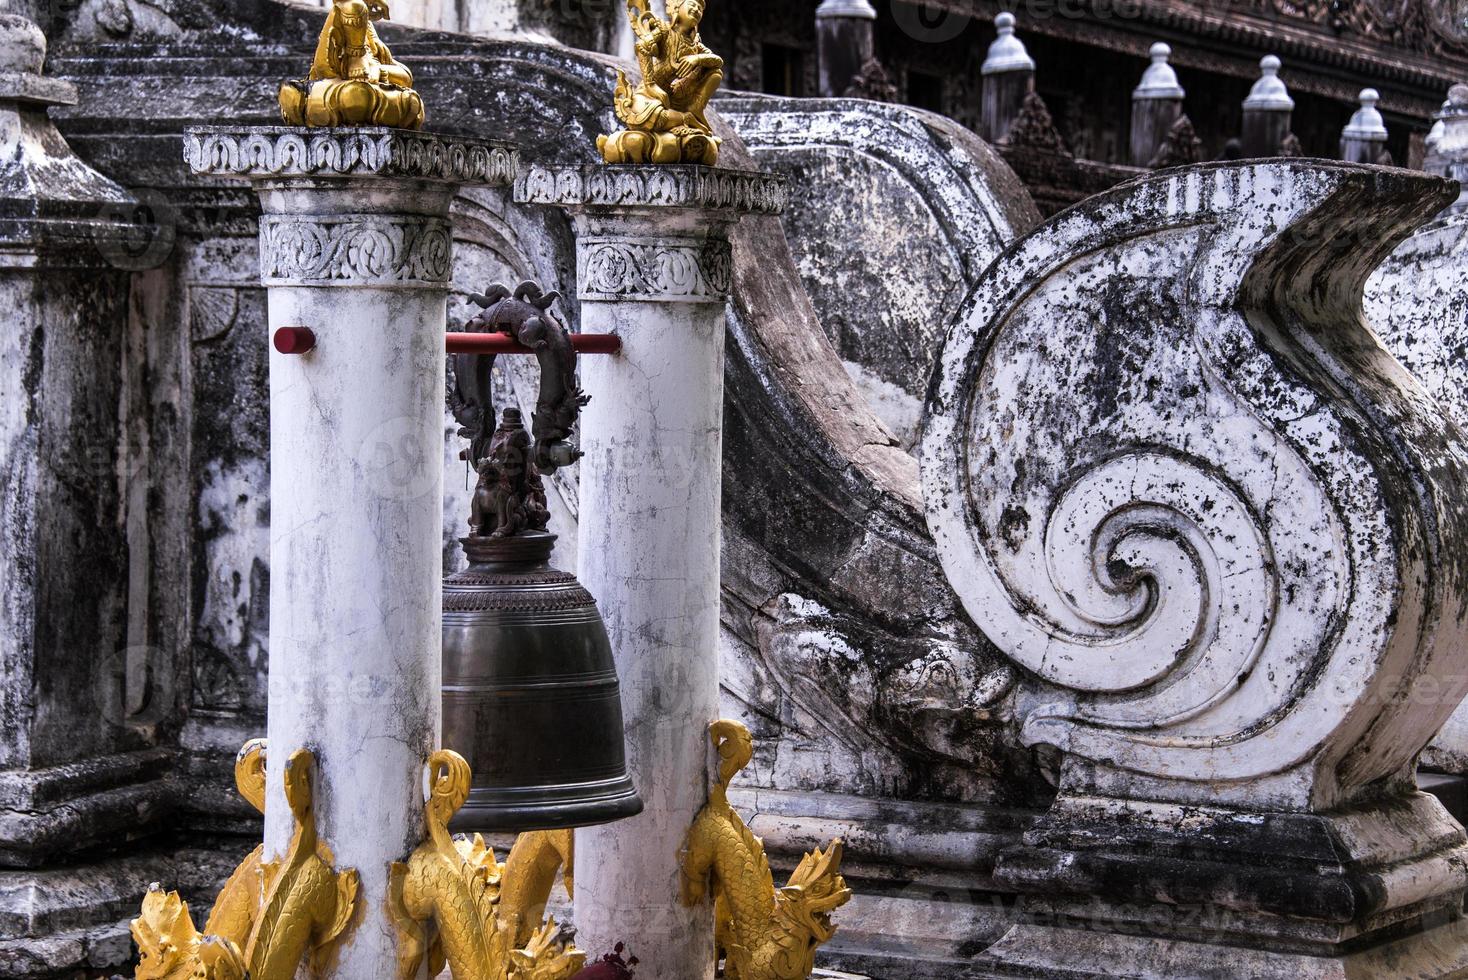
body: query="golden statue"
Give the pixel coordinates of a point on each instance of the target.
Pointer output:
(270, 915)
(761, 933)
(447, 900)
(354, 80)
(666, 113)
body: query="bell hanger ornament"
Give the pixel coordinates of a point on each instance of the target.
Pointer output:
(530, 696)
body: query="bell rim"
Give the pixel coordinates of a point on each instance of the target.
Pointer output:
(482, 812)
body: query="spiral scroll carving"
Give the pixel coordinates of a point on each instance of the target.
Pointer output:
(1204, 539)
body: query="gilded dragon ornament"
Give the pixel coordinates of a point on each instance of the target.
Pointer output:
(761, 933)
(454, 904)
(270, 915)
(665, 115)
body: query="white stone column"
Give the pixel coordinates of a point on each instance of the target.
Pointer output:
(355, 246)
(654, 265)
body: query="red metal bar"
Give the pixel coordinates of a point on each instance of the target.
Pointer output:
(499, 343)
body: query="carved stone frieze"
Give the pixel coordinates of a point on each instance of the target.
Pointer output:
(735, 191)
(1434, 26)
(267, 151)
(659, 269)
(360, 248)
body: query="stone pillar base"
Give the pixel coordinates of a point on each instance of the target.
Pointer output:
(1112, 889)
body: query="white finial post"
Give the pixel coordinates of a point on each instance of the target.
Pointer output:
(1009, 76)
(1268, 111)
(1364, 138)
(1449, 152)
(1156, 104)
(845, 43)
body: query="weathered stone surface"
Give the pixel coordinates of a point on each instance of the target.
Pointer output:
(1417, 302)
(73, 921)
(79, 761)
(1176, 479)
(929, 202)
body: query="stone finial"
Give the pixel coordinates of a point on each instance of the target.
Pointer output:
(1159, 81)
(1435, 134)
(1367, 123)
(851, 9)
(22, 54)
(1007, 53)
(22, 46)
(1449, 153)
(1269, 93)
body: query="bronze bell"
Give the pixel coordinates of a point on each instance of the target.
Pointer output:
(530, 690)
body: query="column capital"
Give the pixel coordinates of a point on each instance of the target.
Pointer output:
(722, 193)
(276, 153)
(654, 233)
(330, 218)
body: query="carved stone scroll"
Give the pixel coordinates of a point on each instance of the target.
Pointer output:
(1174, 476)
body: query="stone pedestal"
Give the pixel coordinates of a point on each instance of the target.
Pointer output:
(845, 42)
(84, 761)
(355, 245)
(1268, 112)
(78, 762)
(1174, 476)
(1156, 104)
(1364, 138)
(654, 265)
(1009, 76)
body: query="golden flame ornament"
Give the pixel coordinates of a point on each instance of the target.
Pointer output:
(666, 113)
(761, 933)
(354, 79)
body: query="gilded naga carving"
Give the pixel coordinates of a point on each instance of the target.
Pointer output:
(762, 933)
(270, 914)
(354, 80)
(529, 874)
(447, 899)
(665, 114)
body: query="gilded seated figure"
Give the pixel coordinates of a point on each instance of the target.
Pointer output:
(666, 113)
(354, 80)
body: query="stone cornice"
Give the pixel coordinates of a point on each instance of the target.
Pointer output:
(264, 152)
(732, 192)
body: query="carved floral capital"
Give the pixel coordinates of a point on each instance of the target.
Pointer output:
(265, 152)
(664, 269)
(369, 249)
